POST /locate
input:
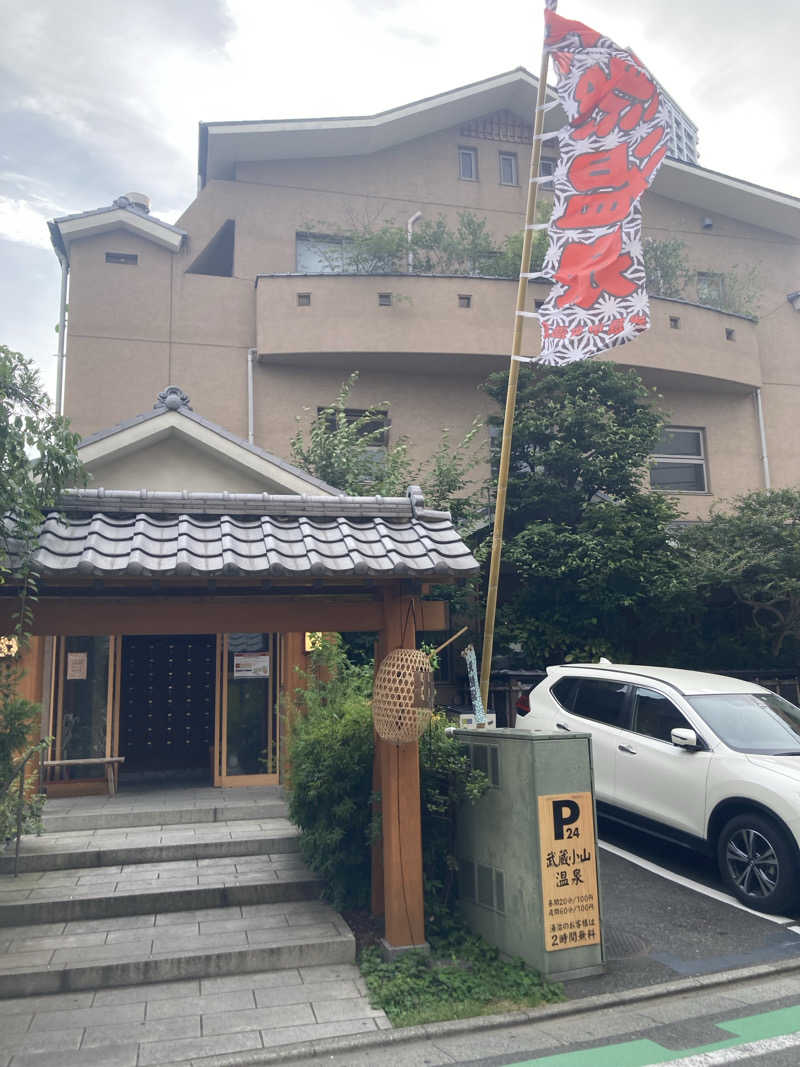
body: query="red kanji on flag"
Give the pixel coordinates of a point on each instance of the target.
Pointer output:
(589, 270)
(611, 185)
(625, 96)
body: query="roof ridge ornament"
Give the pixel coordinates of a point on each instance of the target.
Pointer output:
(414, 494)
(172, 398)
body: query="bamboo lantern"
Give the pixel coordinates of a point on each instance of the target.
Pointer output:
(402, 701)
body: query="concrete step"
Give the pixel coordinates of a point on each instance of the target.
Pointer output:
(165, 886)
(63, 815)
(157, 946)
(150, 844)
(240, 1017)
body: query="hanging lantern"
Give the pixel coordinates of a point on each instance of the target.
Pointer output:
(402, 701)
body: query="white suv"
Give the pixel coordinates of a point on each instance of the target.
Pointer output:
(700, 759)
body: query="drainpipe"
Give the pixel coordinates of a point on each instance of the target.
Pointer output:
(410, 232)
(62, 334)
(251, 356)
(762, 436)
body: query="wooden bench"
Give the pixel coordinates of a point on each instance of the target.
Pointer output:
(111, 764)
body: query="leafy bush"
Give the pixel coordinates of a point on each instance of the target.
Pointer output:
(461, 978)
(446, 781)
(330, 753)
(18, 721)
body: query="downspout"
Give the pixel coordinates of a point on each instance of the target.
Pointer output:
(763, 438)
(62, 332)
(410, 233)
(251, 356)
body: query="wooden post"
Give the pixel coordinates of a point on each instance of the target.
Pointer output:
(398, 767)
(292, 656)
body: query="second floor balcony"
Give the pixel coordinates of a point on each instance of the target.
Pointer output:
(407, 319)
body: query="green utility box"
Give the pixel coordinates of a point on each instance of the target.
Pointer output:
(527, 850)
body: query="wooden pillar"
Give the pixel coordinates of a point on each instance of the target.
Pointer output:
(398, 770)
(292, 656)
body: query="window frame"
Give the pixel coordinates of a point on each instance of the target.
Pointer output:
(466, 150)
(512, 157)
(675, 459)
(635, 691)
(626, 687)
(380, 415)
(707, 277)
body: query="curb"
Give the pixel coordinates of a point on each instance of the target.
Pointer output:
(426, 1031)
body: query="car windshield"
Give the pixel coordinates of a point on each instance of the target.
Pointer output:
(752, 722)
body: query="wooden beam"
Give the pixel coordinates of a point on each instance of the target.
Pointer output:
(199, 614)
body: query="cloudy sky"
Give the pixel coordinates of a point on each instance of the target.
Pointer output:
(97, 99)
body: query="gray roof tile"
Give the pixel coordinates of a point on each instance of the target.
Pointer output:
(152, 534)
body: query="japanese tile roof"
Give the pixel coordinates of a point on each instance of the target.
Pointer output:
(137, 533)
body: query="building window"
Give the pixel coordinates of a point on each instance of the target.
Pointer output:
(464, 300)
(508, 168)
(678, 462)
(730, 335)
(546, 170)
(304, 300)
(372, 424)
(122, 257)
(674, 322)
(468, 164)
(710, 289)
(384, 300)
(319, 253)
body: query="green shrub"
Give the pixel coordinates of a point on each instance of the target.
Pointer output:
(330, 751)
(18, 720)
(459, 979)
(330, 792)
(447, 781)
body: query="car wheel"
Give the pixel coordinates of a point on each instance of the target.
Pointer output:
(758, 863)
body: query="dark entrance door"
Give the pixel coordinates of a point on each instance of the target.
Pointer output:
(167, 704)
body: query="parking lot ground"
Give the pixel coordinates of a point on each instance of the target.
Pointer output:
(657, 929)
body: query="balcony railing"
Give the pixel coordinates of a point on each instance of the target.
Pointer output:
(397, 314)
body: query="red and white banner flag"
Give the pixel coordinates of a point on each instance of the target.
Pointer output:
(611, 148)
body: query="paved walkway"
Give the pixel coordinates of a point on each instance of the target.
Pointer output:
(175, 1022)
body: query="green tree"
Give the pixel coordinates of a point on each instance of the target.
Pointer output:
(589, 566)
(746, 564)
(347, 452)
(38, 458)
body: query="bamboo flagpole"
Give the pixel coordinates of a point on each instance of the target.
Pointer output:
(513, 378)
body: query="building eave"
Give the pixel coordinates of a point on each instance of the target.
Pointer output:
(223, 144)
(69, 228)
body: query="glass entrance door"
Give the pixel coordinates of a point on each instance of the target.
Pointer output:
(247, 736)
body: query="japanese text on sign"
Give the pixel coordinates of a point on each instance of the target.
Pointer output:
(569, 871)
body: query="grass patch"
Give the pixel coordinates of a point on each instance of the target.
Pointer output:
(462, 977)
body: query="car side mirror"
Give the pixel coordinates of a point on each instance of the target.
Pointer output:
(684, 738)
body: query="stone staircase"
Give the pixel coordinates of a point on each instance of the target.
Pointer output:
(176, 891)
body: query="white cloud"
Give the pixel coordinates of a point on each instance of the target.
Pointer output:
(21, 221)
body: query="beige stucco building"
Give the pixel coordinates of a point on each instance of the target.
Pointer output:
(248, 283)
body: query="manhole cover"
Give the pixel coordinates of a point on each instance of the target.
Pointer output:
(619, 944)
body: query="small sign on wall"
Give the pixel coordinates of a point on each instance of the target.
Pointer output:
(250, 665)
(467, 722)
(76, 666)
(569, 871)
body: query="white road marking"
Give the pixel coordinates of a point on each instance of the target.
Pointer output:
(794, 929)
(740, 1052)
(698, 887)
